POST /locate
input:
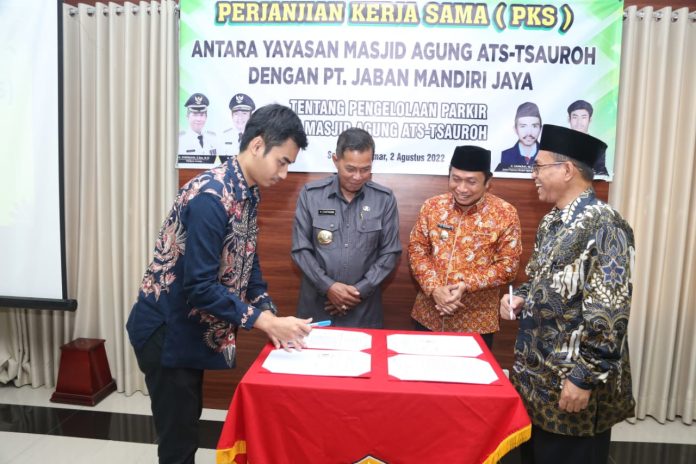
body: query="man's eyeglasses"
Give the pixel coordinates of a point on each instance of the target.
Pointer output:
(536, 167)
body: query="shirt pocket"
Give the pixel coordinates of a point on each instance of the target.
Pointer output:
(369, 232)
(324, 233)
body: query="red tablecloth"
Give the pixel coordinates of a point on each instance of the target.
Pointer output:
(282, 418)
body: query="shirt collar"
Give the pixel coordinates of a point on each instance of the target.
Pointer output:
(575, 207)
(475, 208)
(335, 189)
(238, 182)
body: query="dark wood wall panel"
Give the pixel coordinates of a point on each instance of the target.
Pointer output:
(275, 220)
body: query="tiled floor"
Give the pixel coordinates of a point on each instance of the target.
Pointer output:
(119, 430)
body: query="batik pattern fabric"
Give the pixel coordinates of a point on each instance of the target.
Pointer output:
(573, 326)
(204, 281)
(480, 248)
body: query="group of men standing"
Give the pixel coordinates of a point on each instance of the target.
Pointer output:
(571, 357)
(464, 246)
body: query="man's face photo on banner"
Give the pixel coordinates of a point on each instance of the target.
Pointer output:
(421, 77)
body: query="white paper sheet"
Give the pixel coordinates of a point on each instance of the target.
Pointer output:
(318, 362)
(434, 345)
(441, 369)
(338, 340)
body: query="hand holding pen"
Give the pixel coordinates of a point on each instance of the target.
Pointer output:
(510, 305)
(313, 325)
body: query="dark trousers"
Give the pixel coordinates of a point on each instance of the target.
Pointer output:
(487, 338)
(176, 399)
(551, 448)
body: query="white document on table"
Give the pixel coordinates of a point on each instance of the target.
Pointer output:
(441, 369)
(434, 345)
(318, 362)
(333, 339)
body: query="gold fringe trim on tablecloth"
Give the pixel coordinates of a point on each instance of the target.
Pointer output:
(227, 455)
(507, 445)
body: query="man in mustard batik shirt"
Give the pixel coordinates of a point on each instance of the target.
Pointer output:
(464, 246)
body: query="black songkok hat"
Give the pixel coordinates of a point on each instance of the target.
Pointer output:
(571, 143)
(471, 158)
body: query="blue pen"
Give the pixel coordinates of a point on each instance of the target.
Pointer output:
(320, 324)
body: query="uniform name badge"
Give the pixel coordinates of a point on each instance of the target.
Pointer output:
(324, 237)
(443, 232)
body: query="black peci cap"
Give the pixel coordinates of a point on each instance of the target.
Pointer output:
(571, 143)
(471, 158)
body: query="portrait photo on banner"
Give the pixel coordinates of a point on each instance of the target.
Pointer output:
(421, 77)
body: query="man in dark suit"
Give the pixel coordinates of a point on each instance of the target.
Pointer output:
(520, 157)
